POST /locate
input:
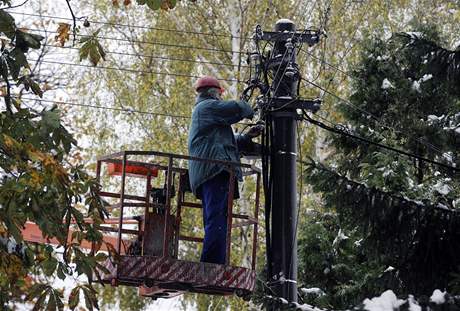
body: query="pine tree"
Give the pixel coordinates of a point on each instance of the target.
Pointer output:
(403, 212)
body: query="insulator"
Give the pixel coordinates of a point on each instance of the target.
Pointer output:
(255, 63)
(258, 33)
(290, 71)
(289, 45)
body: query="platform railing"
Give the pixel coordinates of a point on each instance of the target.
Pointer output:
(123, 159)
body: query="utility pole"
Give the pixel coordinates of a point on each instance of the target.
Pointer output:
(280, 112)
(284, 170)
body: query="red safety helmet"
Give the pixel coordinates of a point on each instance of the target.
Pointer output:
(208, 81)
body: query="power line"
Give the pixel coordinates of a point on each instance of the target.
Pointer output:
(152, 56)
(127, 25)
(351, 46)
(378, 121)
(143, 42)
(129, 111)
(336, 67)
(131, 70)
(339, 130)
(124, 110)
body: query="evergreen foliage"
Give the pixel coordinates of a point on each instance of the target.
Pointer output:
(405, 95)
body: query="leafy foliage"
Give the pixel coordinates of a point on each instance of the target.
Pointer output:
(444, 64)
(91, 49)
(158, 4)
(422, 264)
(405, 211)
(335, 262)
(13, 59)
(38, 184)
(152, 4)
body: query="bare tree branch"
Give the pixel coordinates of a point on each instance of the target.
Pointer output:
(74, 18)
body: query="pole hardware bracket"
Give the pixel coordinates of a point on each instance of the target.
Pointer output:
(308, 36)
(312, 105)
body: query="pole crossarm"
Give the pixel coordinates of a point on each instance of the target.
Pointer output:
(312, 105)
(310, 37)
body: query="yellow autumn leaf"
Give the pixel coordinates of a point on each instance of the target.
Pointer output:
(2, 230)
(36, 180)
(9, 142)
(35, 155)
(63, 33)
(12, 266)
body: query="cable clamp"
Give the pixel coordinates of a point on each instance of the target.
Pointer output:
(287, 281)
(285, 152)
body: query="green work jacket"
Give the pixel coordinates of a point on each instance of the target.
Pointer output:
(211, 136)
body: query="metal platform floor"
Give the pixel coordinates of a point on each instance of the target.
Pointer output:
(167, 277)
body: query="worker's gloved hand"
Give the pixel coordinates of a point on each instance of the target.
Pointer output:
(255, 131)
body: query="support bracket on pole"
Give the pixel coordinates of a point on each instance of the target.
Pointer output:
(308, 36)
(312, 105)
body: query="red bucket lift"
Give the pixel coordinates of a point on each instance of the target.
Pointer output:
(149, 243)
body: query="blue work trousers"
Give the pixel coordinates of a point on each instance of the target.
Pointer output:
(214, 196)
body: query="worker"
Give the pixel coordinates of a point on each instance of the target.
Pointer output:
(211, 137)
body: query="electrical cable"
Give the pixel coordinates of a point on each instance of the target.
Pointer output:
(294, 239)
(350, 104)
(326, 63)
(123, 25)
(349, 49)
(125, 110)
(284, 72)
(129, 111)
(322, 30)
(339, 130)
(400, 198)
(142, 42)
(132, 70)
(151, 56)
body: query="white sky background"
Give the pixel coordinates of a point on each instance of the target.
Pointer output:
(59, 8)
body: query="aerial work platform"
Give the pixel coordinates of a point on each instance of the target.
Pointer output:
(148, 241)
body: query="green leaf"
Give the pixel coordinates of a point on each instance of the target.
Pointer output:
(7, 24)
(100, 49)
(49, 266)
(51, 120)
(93, 51)
(61, 271)
(88, 298)
(51, 303)
(36, 88)
(85, 39)
(84, 50)
(59, 296)
(74, 297)
(172, 4)
(30, 84)
(36, 291)
(154, 4)
(25, 40)
(94, 55)
(40, 304)
(4, 68)
(16, 60)
(101, 257)
(20, 57)
(29, 256)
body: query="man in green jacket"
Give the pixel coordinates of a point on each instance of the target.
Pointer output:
(211, 137)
